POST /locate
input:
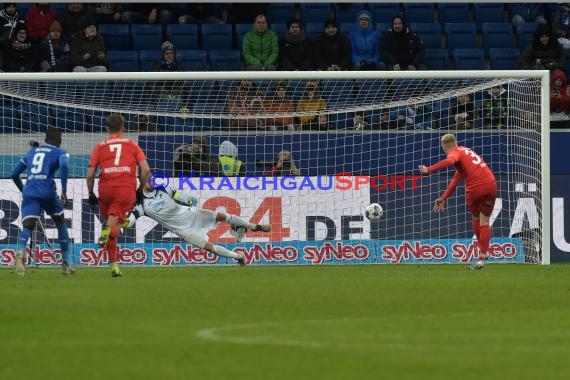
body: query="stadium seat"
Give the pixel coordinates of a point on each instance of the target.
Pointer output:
(116, 36)
(383, 12)
(567, 63)
(497, 35)
(488, 12)
(183, 36)
(280, 12)
(217, 37)
(430, 34)
(436, 59)
(123, 60)
(313, 29)
(34, 117)
(504, 58)
(381, 27)
(525, 34)
(418, 12)
(460, 36)
(241, 29)
(315, 12)
(338, 93)
(453, 12)
(225, 60)
(146, 36)
(148, 59)
(193, 60)
(347, 27)
(347, 12)
(371, 91)
(279, 28)
(469, 59)
(9, 119)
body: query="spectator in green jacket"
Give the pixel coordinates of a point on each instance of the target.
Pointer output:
(260, 47)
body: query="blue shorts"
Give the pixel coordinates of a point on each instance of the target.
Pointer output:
(32, 207)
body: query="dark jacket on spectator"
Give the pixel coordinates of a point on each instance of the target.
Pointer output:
(81, 45)
(21, 56)
(551, 56)
(73, 23)
(404, 48)
(335, 50)
(8, 26)
(295, 51)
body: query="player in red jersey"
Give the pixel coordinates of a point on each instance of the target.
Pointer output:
(480, 188)
(118, 158)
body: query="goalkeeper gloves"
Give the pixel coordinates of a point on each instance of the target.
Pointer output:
(190, 201)
(93, 201)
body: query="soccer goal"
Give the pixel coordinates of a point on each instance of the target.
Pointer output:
(316, 148)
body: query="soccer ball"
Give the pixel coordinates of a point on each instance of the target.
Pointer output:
(374, 212)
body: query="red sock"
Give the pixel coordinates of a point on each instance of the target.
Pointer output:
(477, 229)
(112, 249)
(114, 232)
(485, 239)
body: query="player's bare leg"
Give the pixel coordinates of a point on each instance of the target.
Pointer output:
(111, 245)
(240, 226)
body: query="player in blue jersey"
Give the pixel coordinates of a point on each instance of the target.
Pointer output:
(39, 194)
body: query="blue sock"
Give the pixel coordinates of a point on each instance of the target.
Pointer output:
(63, 237)
(23, 238)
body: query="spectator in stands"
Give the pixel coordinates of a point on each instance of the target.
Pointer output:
(260, 46)
(199, 13)
(55, 50)
(195, 158)
(9, 19)
(245, 102)
(74, 19)
(108, 13)
(295, 48)
(168, 61)
(544, 52)
(143, 124)
(280, 103)
(496, 106)
(331, 49)
(88, 51)
(311, 101)
(559, 98)
(358, 122)
(147, 13)
(412, 116)
(561, 25)
(20, 55)
(284, 166)
(401, 48)
(527, 12)
(230, 166)
(462, 114)
(365, 44)
(38, 21)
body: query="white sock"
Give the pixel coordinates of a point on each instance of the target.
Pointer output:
(223, 251)
(239, 222)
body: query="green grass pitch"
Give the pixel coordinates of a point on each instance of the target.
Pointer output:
(296, 322)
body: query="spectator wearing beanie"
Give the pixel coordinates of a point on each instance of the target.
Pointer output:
(331, 49)
(9, 19)
(295, 50)
(168, 61)
(88, 51)
(55, 50)
(19, 55)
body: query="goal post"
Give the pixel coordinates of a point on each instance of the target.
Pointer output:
(355, 138)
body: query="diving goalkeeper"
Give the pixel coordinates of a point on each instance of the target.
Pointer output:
(480, 188)
(161, 205)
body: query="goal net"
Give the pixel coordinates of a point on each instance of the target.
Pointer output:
(304, 151)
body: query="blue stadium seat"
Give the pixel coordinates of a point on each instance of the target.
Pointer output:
(313, 29)
(370, 91)
(146, 36)
(123, 60)
(280, 12)
(68, 119)
(525, 34)
(453, 12)
(225, 60)
(436, 59)
(488, 12)
(383, 12)
(148, 58)
(279, 28)
(241, 29)
(469, 59)
(193, 60)
(418, 12)
(183, 36)
(430, 33)
(347, 27)
(567, 63)
(34, 117)
(315, 12)
(381, 27)
(347, 12)
(497, 35)
(460, 36)
(338, 93)
(217, 37)
(116, 36)
(9, 119)
(504, 58)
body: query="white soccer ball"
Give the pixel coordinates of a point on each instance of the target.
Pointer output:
(374, 212)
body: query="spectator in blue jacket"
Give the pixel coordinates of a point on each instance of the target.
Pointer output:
(365, 44)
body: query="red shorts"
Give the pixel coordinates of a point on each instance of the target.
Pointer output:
(116, 202)
(482, 199)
